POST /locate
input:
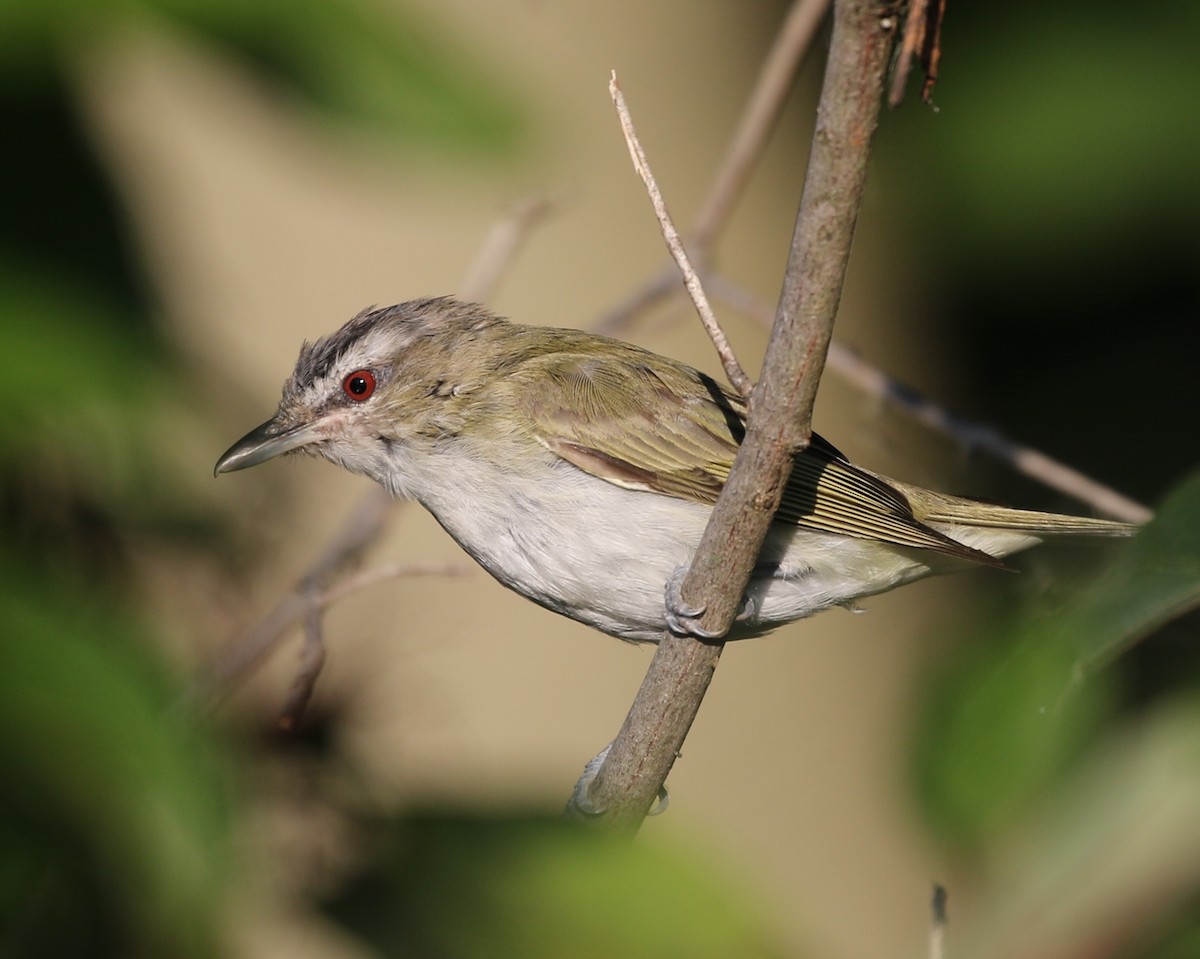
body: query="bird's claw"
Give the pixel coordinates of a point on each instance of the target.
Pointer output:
(580, 805)
(682, 619)
(748, 608)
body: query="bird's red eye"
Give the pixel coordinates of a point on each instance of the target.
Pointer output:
(359, 385)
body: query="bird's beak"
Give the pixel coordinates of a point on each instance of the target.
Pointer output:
(264, 443)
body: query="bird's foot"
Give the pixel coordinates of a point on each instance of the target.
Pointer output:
(580, 805)
(684, 620)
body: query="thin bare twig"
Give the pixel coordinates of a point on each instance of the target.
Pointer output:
(312, 658)
(501, 244)
(974, 436)
(637, 763)
(762, 109)
(312, 653)
(244, 653)
(381, 574)
(733, 370)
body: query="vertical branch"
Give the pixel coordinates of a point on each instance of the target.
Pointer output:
(639, 759)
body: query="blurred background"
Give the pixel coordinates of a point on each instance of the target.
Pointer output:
(193, 187)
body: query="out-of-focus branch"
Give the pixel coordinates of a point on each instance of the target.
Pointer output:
(937, 922)
(501, 245)
(758, 118)
(639, 759)
(247, 650)
(312, 659)
(745, 147)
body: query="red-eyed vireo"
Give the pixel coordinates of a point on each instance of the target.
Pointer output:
(580, 471)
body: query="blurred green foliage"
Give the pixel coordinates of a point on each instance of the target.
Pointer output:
(114, 831)
(1019, 703)
(995, 730)
(346, 60)
(117, 811)
(473, 886)
(1056, 223)
(1018, 717)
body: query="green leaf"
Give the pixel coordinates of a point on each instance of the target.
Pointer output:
(995, 730)
(1006, 717)
(1112, 850)
(351, 60)
(1153, 579)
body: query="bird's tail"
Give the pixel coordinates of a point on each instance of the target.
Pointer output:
(931, 507)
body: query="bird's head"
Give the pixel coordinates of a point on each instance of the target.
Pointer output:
(376, 382)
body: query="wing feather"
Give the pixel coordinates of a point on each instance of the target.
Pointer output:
(643, 422)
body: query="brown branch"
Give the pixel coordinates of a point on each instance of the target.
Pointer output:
(762, 109)
(733, 369)
(244, 653)
(974, 436)
(312, 659)
(500, 246)
(758, 118)
(640, 757)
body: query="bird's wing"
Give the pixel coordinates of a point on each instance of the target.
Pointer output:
(647, 424)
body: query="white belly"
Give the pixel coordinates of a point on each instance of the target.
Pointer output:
(602, 554)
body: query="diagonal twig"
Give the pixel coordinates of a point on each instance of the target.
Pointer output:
(733, 369)
(501, 244)
(762, 109)
(246, 651)
(312, 659)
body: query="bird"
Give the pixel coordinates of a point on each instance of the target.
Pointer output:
(580, 471)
